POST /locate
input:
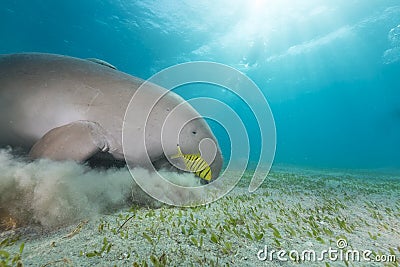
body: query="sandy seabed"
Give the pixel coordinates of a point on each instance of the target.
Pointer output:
(300, 217)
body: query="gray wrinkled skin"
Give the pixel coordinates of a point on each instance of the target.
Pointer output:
(65, 108)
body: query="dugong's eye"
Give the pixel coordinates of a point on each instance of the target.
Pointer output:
(194, 132)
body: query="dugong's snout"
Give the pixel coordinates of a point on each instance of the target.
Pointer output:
(216, 165)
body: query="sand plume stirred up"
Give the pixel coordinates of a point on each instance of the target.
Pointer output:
(60, 193)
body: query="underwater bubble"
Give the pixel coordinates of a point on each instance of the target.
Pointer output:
(394, 36)
(391, 55)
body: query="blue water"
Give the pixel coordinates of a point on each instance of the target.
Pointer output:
(329, 69)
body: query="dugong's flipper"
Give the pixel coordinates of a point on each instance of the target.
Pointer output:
(76, 141)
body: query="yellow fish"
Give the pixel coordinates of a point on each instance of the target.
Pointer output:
(195, 163)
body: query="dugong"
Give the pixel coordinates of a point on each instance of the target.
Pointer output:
(66, 108)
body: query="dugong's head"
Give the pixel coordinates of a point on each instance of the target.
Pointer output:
(173, 130)
(196, 139)
(185, 135)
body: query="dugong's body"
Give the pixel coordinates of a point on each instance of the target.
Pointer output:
(65, 108)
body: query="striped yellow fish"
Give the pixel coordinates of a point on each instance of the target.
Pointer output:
(195, 163)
